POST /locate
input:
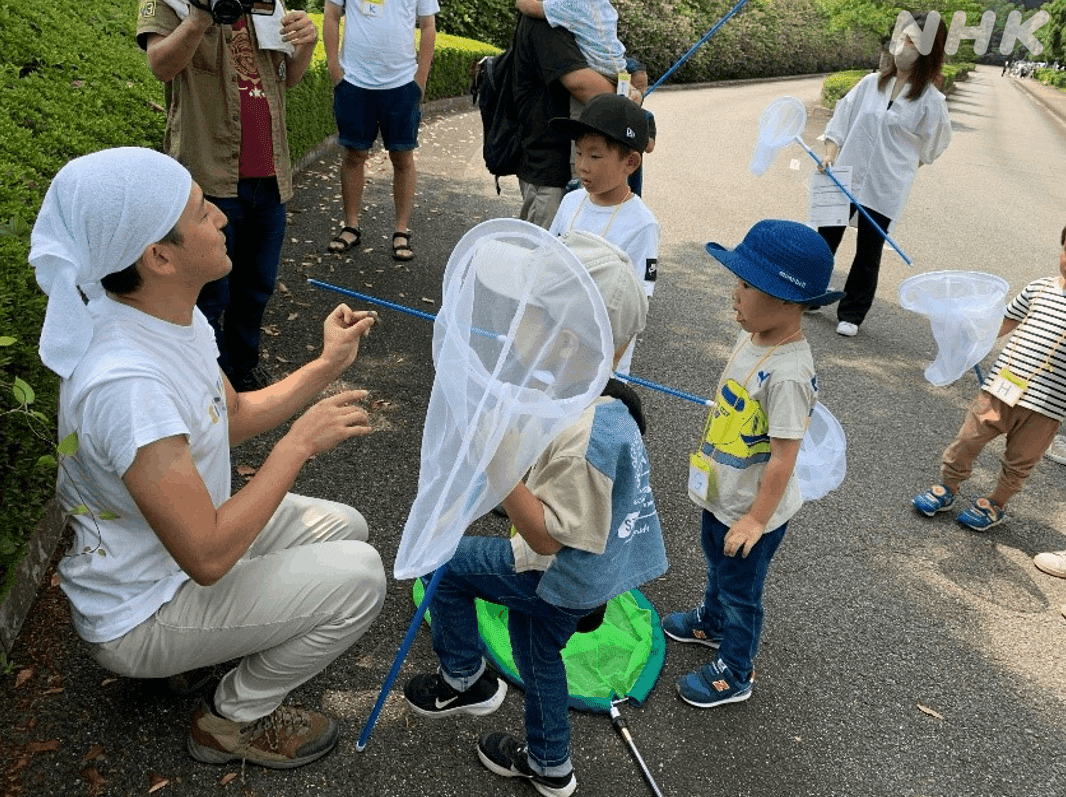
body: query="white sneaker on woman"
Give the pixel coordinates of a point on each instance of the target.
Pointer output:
(847, 329)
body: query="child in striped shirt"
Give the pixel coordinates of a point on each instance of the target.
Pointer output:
(1023, 397)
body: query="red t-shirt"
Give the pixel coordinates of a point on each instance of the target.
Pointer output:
(257, 145)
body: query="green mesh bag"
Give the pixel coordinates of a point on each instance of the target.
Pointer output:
(621, 658)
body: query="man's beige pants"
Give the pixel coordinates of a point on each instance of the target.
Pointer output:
(306, 589)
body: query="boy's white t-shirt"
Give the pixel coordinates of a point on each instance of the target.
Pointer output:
(378, 47)
(630, 226)
(142, 380)
(595, 27)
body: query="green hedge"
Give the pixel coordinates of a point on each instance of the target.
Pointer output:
(1051, 77)
(838, 84)
(71, 81)
(766, 38)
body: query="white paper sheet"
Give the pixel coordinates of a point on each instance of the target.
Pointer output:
(829, 205)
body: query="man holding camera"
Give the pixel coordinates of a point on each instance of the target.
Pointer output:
(226, 71)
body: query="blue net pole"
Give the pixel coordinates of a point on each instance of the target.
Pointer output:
(636, 380)
(692, 50)
(855, 202)
(401, 654)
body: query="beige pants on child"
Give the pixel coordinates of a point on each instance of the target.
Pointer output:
(1028, 433)
(304, 591)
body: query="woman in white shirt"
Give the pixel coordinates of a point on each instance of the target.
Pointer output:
(888, 125)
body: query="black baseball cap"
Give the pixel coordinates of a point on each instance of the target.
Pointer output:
(612, 116)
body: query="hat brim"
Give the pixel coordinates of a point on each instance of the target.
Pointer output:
(575, 128)
(740, 265)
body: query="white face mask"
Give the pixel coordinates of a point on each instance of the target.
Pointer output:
(906, 58)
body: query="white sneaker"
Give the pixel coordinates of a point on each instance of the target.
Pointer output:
(847, 329)
(1053, 563)
(1057, 450)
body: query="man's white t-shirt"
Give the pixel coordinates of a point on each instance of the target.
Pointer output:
(378, 50)
(143, 379)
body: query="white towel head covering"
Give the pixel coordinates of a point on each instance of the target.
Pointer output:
(99, 215)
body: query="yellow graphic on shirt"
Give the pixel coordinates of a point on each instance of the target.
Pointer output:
(737, 432)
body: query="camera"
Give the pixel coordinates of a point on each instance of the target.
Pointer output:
(226, 12)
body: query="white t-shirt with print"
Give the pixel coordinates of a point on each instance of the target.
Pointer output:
(143, 379)
(378, 50)
(758, 399)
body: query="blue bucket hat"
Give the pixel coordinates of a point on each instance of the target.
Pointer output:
(784, 259)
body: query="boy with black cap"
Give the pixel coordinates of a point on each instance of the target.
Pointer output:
(609, 137)
(742, 473)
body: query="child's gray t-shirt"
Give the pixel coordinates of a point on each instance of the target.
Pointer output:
(764, 393)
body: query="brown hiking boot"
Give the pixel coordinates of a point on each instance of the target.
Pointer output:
(288, 738)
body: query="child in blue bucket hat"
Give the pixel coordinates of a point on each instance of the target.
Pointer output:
(741, 475)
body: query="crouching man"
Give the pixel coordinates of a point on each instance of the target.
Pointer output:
(169, 572)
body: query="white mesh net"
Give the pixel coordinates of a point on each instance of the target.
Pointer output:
(522, 345)
(965, 309)
(781, 122)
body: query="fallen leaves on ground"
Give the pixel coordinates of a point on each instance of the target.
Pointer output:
(42, 747)
(156, 782)
(930, 712)
(96, 781)
(23, 676)
(95, 752)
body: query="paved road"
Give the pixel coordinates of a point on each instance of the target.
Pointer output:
(901, 656)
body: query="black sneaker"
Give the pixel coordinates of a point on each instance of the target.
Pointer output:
(430, 695)
(504, 755)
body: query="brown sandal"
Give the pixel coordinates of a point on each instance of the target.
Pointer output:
(402, 251)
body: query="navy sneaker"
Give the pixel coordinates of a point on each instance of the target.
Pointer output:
(429, 695)
(712, 685)
(688, 627)
(983, 515)
(937, 498)
(506, 756)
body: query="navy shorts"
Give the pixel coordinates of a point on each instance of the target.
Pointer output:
(362, 113)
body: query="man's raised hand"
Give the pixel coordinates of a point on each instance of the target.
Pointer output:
(342, 331)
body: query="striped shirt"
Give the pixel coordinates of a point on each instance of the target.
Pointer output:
(1036, 351)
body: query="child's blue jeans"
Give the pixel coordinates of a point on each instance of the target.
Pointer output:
(732, 600)
(483, 567)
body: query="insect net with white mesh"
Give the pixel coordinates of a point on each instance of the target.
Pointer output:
(780, 124)
(522, 345)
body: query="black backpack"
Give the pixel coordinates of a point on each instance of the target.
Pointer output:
(493, 93)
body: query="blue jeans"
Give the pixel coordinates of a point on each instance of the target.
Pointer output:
(732, 601)
(234, 305)
(483, 567)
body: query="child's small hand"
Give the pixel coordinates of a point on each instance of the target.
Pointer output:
(742, 536)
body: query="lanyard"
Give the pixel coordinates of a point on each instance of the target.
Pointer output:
(610, 221)
(1046, 365)
(764, 358)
